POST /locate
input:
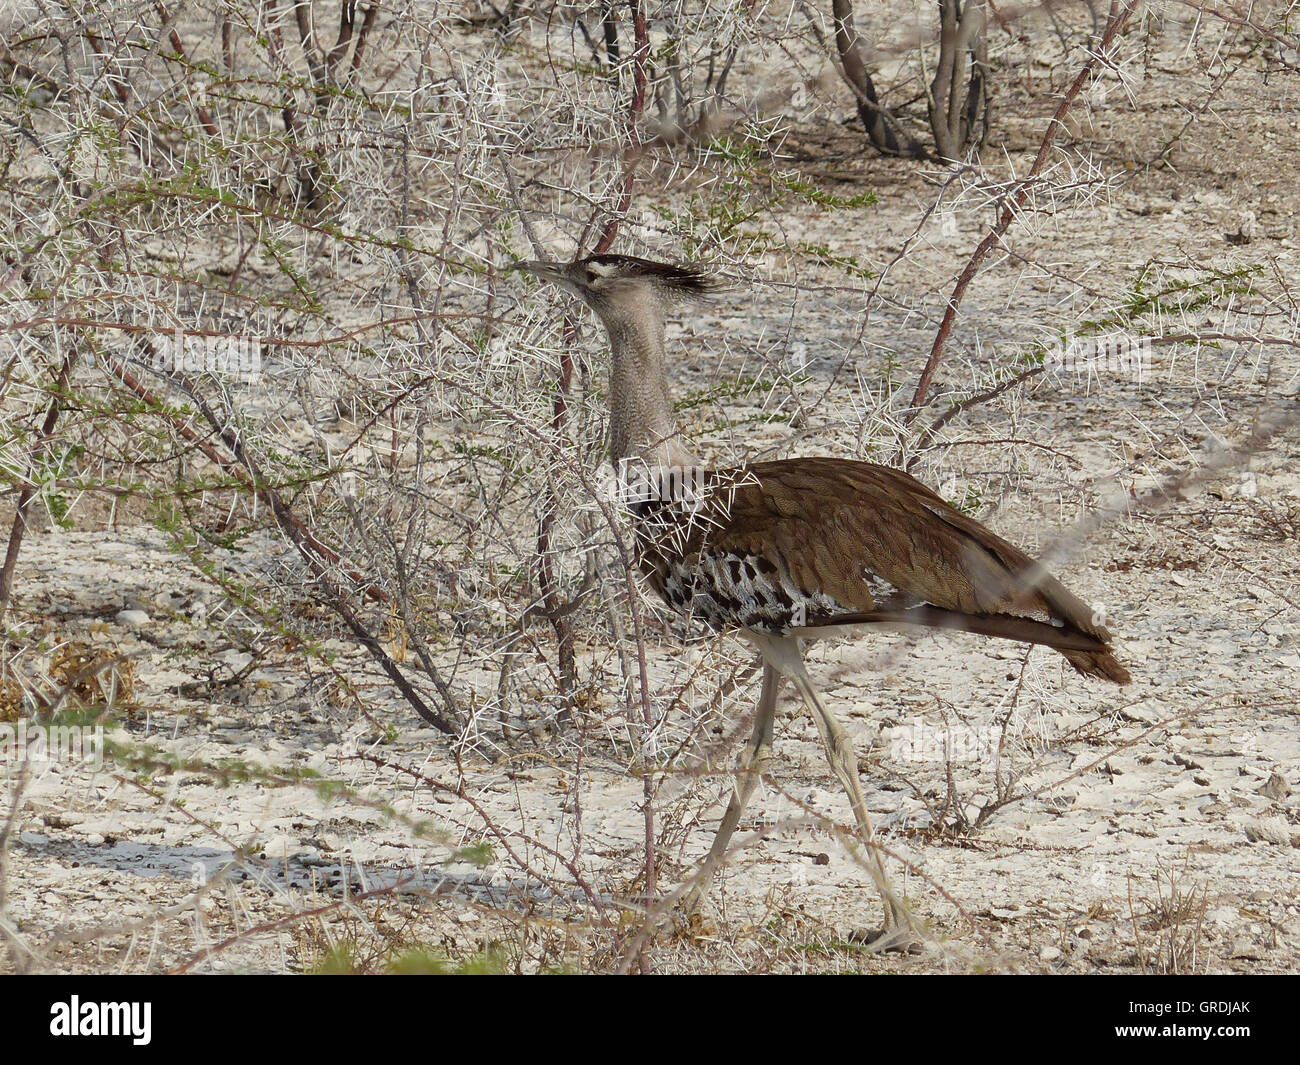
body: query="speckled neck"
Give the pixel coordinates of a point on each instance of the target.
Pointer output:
(642, 425)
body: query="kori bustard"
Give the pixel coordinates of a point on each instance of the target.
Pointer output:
(786, 550)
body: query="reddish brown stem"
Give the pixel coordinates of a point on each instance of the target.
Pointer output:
(547, 581)
(364, 32)
(19, 527)
(205, 116)
(632, 149)
(631, 153)
(546, 578)
(1120, 12)
(640, 64)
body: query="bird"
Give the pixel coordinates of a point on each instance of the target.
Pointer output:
(789, 550)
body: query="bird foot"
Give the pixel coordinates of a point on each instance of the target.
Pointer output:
(897, 938)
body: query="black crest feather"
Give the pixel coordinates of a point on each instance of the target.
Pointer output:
(680, 282)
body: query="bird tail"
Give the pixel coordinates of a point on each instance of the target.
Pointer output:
(1089, 654)
(1101, 663)
(1075, 614)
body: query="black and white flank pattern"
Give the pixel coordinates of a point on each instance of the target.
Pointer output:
(727, 590)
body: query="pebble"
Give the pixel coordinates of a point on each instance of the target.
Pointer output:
(1277, 788)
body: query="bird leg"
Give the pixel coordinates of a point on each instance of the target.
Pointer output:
(900, 930)
(753, 761)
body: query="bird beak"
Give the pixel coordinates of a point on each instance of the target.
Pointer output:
(555, 272)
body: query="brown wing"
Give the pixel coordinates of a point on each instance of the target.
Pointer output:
(821, 541)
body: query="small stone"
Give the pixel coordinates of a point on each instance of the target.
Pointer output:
(1277, 788)
(1049, 954)
(1271, 830)
(132, 619)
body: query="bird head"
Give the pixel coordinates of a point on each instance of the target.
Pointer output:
(605, 282)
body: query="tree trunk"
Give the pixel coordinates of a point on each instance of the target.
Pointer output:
(880, 125)
(959, 92)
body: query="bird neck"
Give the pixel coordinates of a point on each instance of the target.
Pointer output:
(642, 427)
